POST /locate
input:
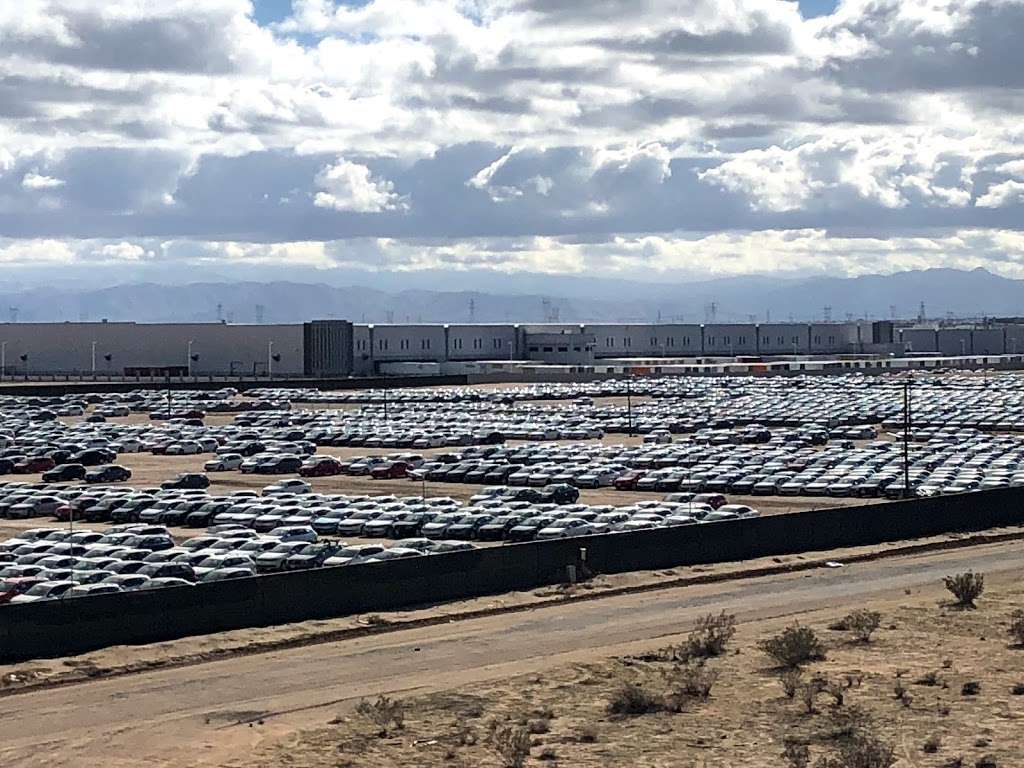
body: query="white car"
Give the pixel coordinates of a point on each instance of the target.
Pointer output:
(563, 529)
(289, 533)
(290, 486)
(224, 463)
(127, 445)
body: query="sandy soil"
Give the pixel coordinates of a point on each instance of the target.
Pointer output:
(747, 719)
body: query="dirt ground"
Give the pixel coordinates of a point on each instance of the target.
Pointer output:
(924, 646)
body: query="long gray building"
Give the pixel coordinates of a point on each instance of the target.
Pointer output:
(324, 348)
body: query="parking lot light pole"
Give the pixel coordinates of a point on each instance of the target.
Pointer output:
(906, 439)
(3, 359)
(270, 359)
(629, 400)
(189, 356)
(94, 358)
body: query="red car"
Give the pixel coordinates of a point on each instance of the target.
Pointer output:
(713, 500)
(18, 585)
(392, 470)
(321, 466)
(32, 465)
(628, 481)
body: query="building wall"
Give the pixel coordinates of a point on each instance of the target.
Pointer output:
(832, 337)
(783, 338)
(730, 339)
(920, 339)
(644, 340)
(486, 342)
(954, 341)
(327, 348)
(221, 348)
(988, 341)
(565, 348)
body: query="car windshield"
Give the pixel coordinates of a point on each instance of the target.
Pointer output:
(40, 590)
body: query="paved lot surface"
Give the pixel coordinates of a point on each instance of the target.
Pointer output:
(214, 714)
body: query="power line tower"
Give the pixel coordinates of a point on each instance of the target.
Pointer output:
(472, 309)
(220, 312)
(921, 313)
(892, 311)
(710, 312)
(827, 314)
(260, 310)
(13, 313)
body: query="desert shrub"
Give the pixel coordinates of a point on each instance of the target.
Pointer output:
(796, 755)
(932, 744)
(791, 680)
(809, 694)
(843, 724)
(899, 691)
(863, 624)
(512, 743)
(965, 587)
(1018, 689)
(930, 679)
(711, 636)
(587, 734)
(970, 688)
(986, 761)
(632, 699)
(794, 646)
(1017, 627)
(862, 751)
(693, 681)
(386, 713)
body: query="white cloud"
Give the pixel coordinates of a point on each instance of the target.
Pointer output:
(1000, 195)
(34, 180)
(347, 186)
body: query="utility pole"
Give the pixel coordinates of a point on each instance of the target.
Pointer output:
(94, 358)
(906, 439)
(168, 394)
(629, 400)
(384, 382)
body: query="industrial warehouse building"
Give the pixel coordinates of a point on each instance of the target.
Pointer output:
(330, 348)
(333, 348)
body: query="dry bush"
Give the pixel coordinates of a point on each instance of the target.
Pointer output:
(796, 755)
(512, 743)
(1018, 689)
(863, 624)
(587, 734)
(548, 754)
(986, 761)
(791, 680)
(844, 724)
(930, 679)
(690, 681)
(932, 744)
(970, 688)
(862, 751)
(711, 636)
(385, 713)
(794, 646)
(809, 694)
(632, 699)
(1017, 627)
(965, 587)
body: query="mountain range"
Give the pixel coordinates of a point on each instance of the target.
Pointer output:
(493, 297)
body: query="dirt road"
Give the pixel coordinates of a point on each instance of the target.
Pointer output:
(214, 714)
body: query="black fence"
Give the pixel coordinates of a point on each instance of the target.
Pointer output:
(63, 627)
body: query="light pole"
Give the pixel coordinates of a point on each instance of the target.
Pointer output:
(94, 358)
(629, 400)
(270, 359)
(188, 355)
(3, 359)
(906, 439)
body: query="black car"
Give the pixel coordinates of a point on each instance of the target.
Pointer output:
(411, 524)
(467, 527)
(202, 517)
(560, 493)
(6, 466)
(311, 556)
(93, 457)
(64, 472)
(498, 528)
(187, 480)
(112, 473)
(527, 529)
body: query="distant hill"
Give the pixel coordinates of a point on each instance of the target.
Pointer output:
(500, 298)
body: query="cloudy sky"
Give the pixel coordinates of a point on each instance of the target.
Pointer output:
(649, 139)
